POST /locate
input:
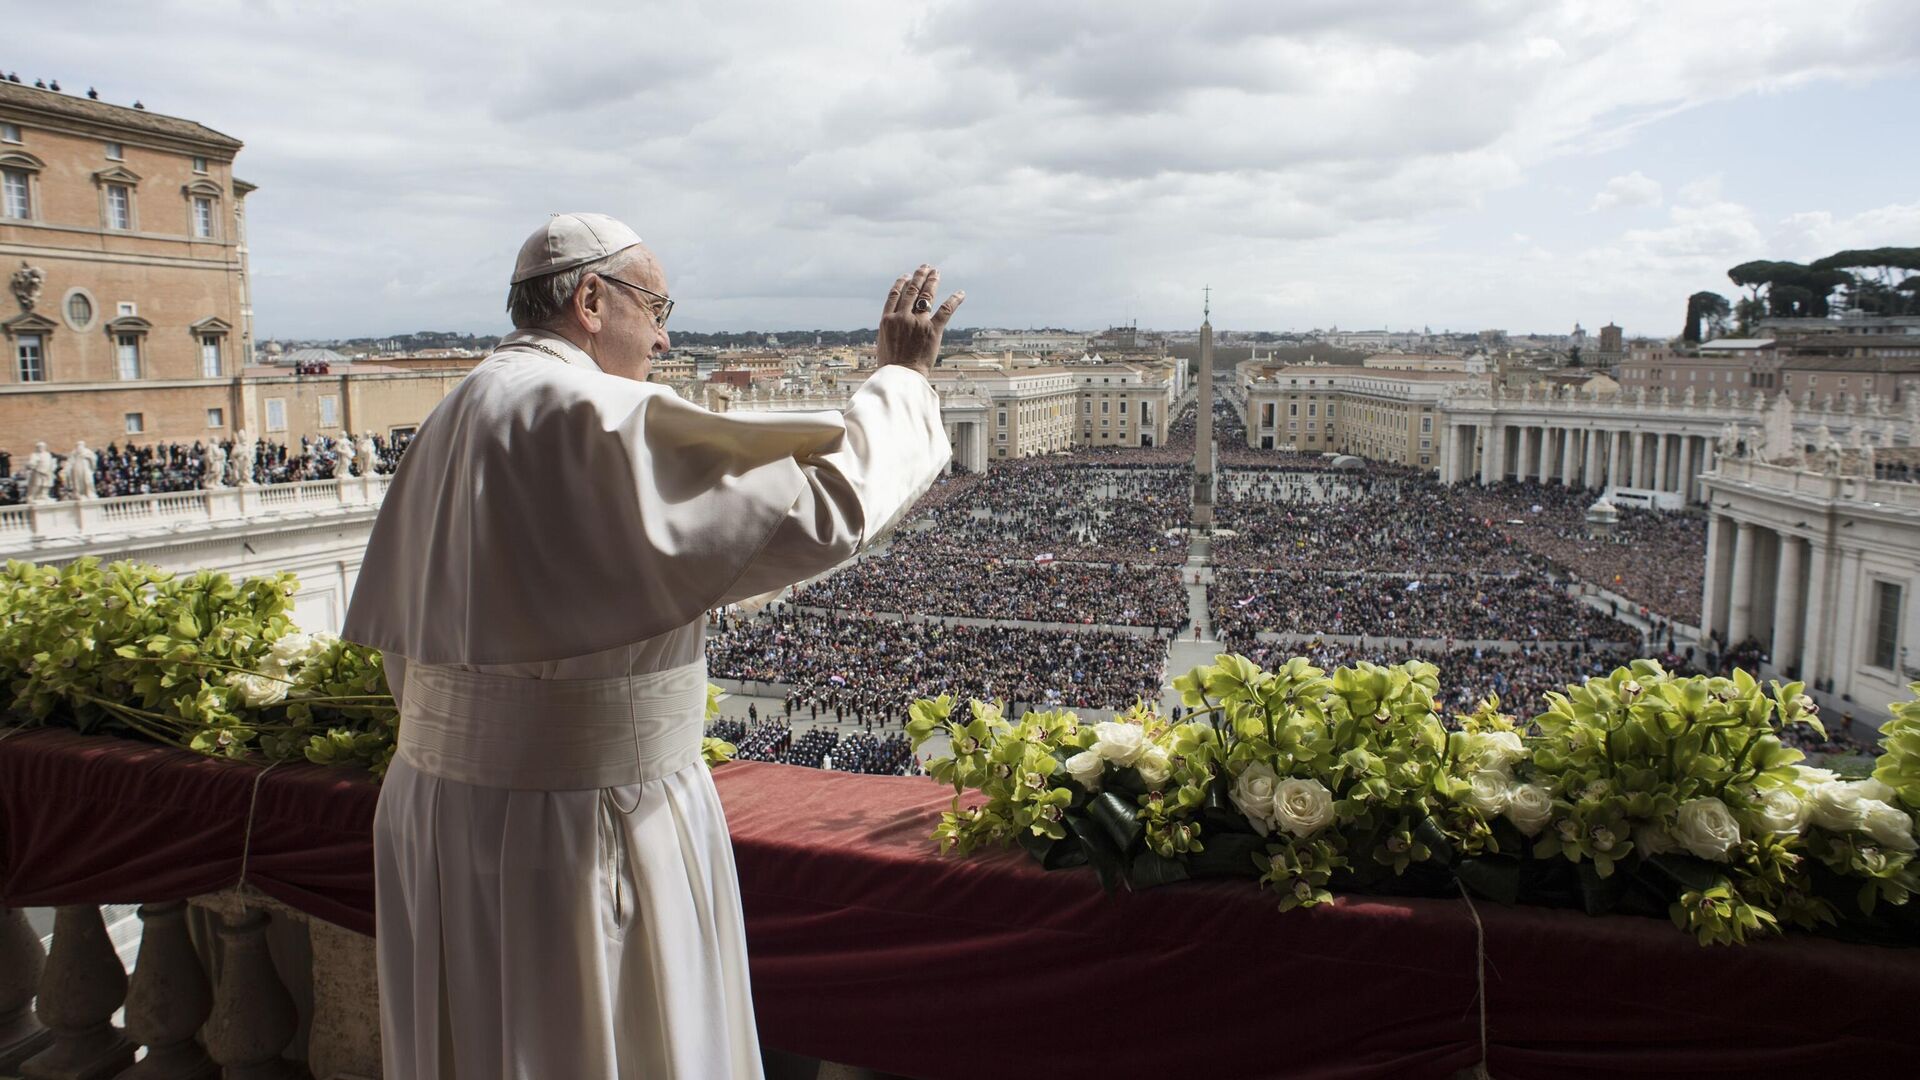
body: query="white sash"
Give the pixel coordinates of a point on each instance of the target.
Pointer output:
(552, 734)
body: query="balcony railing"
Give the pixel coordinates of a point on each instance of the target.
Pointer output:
(25, 529)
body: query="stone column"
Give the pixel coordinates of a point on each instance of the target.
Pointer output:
(1523, 452)
(1617, 468)
(1590, 476)
(1546, 452)
(1660, 462)
(1568, 437)
(1686, 468)
(1819, 630)
(1715, 585)
(1786, 606)
(21, 961)
(81, 987)
(1740, 616)
(1486, 455)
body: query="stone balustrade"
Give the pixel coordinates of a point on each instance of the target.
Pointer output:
(231, 984)
(41, 528)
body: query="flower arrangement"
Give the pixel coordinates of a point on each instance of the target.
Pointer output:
(1639, 792)
(201, 662)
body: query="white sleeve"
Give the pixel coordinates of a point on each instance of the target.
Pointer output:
(895, 448)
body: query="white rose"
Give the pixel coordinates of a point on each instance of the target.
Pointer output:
(1252, 793)
(1809, 776)
(1889, 825)
(1497, 750)
(1155, 766)
(1837, 806)
(1781, 811)
(1706, 827)
(259, 691)
(1086, 768)
(1529, 807)
(1302, 807)
(289, 649)
(1119, 743)
(1651, 839)
(1490, 792)
(1878, 791)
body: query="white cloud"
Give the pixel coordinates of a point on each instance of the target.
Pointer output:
(1066, 162)
(1633, 189)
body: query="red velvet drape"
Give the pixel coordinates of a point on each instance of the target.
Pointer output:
(868, 948)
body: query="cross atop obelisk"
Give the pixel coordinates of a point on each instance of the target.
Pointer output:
(1203, 452)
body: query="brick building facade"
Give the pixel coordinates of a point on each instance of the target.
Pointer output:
(123, 237)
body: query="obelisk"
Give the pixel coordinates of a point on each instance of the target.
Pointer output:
(1204, 454)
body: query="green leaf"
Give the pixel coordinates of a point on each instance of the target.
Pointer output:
(1149, 870)
(1493, 876)
(1117, 818)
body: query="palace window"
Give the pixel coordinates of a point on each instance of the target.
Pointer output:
(210, 356)
(119, 207)
(116, 152)
(330, 410)
(203, 217)
(1886, 623)
(79, 310)
(136, 423)
(276, 414)
(200, 165)
(30, 353)
(216, 418)
(10, 133)
(126, 354)
(15, 200)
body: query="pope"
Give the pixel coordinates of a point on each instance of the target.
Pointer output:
(555, 887)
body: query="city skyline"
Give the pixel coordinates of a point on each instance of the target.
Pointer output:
(1491, 166)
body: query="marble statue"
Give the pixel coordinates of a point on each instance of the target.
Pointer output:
(214, 475)
(344, 454)
(1727, 444)
(367, 454)
(246, 451)
(81, 466)
(41, 470)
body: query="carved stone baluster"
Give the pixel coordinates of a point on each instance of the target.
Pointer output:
(253, 1015)
(168, 999)
(21, 959)
(81, 987)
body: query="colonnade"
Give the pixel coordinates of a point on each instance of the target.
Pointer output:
(1577, 456)
(1762, 581)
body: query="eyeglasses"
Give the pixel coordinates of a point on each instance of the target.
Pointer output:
(659, 311)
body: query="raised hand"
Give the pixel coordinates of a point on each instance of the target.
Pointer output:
(910, 326)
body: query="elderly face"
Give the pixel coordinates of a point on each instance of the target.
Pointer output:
(626, 336)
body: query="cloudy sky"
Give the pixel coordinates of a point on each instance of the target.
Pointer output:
(1522, 164)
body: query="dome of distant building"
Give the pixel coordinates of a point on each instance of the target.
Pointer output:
(274, 348)
(312, 357)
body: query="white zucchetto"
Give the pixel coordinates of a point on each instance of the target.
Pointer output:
(567, 240)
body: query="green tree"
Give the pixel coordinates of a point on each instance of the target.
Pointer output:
(1710, 308)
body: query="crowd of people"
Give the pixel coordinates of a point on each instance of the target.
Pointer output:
(1523, 607)
(889, 754)
(1301, 516)
(1058, 592)
(1655, 558)
(1085, 507)
(869, 670)
(160, 468)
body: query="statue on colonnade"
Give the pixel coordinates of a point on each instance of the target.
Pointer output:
(81, 466)
(41, 470)
(214, 472)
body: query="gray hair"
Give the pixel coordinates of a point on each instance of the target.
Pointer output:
(542, 300)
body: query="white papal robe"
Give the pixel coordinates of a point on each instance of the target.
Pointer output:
(555, 884)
